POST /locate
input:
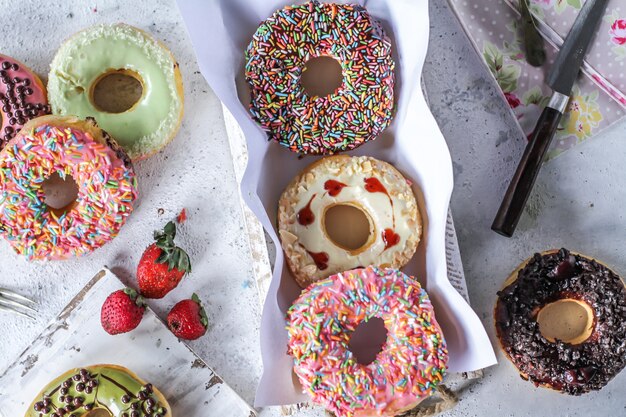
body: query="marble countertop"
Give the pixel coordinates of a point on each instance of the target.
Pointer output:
(577, 203)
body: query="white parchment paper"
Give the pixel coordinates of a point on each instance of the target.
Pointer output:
(220, 31)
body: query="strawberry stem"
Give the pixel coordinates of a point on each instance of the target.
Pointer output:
(134, 296)
(173, 256)
(203, 317)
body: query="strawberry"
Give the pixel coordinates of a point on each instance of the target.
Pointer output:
(182, 216)
(162, 265)
(122, 311)
(187, 319)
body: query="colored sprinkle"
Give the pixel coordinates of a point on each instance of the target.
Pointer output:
(107, 189)
(358, 111)
(321, 321)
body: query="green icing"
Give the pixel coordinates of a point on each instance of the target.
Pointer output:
(112, 385)
(85, 57)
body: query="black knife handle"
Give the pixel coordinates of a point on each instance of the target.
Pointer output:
(522, 183)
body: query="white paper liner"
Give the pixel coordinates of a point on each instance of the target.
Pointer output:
(220, 31)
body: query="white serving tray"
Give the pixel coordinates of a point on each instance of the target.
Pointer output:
(220, 31)
(76, 339)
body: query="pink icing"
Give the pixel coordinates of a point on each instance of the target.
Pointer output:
(107, 189)
(25, 106)
(410, 365)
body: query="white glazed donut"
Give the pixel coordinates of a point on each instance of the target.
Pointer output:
(372, 186)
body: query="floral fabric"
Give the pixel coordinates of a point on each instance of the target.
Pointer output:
(599, 97)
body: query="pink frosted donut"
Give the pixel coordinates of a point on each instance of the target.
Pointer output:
(408, 368)
(67, 146)
(22, 97)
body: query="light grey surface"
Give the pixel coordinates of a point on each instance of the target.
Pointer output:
(196, 172)
(577, 203)
(189, 385)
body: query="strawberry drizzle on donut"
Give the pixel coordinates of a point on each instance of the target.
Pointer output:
(390, 238)
(334, 187)
(373, 185)
(305, 216)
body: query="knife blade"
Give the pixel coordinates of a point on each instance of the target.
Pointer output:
(561, 78)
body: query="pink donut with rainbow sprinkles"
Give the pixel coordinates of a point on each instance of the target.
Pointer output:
(63, 145)
(22, 97)
(407, 370)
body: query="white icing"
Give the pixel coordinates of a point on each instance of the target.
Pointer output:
(297, 239)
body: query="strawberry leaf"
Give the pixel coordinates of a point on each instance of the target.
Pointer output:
(184, 264)
(173, 259)
(134, 296)
(170, 229)
(163, 257)
(203, 317)
(171, 255)
(130, 292)
(140, 301)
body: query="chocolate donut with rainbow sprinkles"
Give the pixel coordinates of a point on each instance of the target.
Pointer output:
(276, 59)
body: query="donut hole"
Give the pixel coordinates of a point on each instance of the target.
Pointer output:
(117, 91)
(567, 320)
(348, 226)
(367, 340)
(321, 76)
(59, 194)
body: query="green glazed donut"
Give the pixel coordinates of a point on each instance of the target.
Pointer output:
(111, 388)
(90, 55)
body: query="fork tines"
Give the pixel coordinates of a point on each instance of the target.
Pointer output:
(16, 303)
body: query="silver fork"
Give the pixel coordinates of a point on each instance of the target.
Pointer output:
(15, 303)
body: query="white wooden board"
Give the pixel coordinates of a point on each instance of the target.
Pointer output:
(76, 339)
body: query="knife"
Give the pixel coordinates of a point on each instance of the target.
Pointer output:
(561, 79)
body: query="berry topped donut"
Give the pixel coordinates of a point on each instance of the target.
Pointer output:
(22, 97)
(356, 112)
(344, 212)
(66, 147)
(147, 72)
(561, 320)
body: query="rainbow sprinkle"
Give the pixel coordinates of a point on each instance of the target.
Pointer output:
(409, 367)
(357, 112)
(107, 189)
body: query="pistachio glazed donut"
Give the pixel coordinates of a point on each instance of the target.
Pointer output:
(89, 56)
(111, 388)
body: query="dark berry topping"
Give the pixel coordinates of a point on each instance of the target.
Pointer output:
(571, 368)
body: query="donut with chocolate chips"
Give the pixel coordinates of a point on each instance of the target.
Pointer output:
(22, 97)
(109, 389)
(561, 320)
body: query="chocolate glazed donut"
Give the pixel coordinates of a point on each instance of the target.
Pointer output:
(574, 365)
